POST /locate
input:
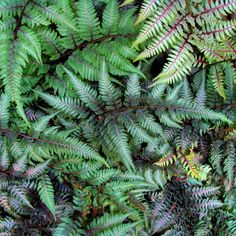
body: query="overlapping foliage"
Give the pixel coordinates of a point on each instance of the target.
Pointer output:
(195, 32)
(89, 145)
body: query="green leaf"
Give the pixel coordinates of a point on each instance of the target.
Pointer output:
(110, 18)
(88, 23)
(46, 193)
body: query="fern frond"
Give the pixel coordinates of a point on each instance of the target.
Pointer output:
(217, 157)
(46, 193)
(173, 71)
(59, 143)
(132, 93)
(217, 77)
(178, 27)
(220, 30)
(33, 46)
(217, 8)
(107, 221)
(110, 18)
(88, 23)
(8, 23)
(167, 12)
(144, 181)
(194, 111)
(230, 80)
(86, 94)
(166, 160)
(163, 41)
(206, 205)
(21, 194)
(109, 94)
(13, 61)
(229, 163)
(36, 171)
(11, 7)
(68, 105)
(4, 110)
(165, 221)
(198, 192)
(120, 141)
(189, 166)
(67, 226)
(50, 43)
(201, 92)
(4, 159)
(56, 15)
(122, 229)
(187, 93)
(41, 124)
(7, 224)
(147, 8)
(19, 166)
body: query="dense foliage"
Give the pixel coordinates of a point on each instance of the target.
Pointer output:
(118, 117)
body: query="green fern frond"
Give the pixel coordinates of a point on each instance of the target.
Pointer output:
(11, 7)
(4, 159)
(173, 71)
(109, 94)
(132, 93)
(120, 142)
(41, 124)
(201, 92)
(229, 163)
(230, 81)
(68, 105)
(4, 110)
(88, 23)
(56, 15)
(147, 9)
(13, 61)
(59, 143)
(110, 18)
(106, 222)
(86, 94)
(167, 12)
(46, 193)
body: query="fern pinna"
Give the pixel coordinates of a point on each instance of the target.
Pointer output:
(89, 145)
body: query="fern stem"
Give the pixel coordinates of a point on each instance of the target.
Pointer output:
(233, 60)
(19, 21)
(188, 7)
(68, 53)
(225, 105)
(26, 136)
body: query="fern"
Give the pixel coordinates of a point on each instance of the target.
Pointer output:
(89, 145)
(108, 113)
(46, 193)
(187, 25)
(170, 209)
